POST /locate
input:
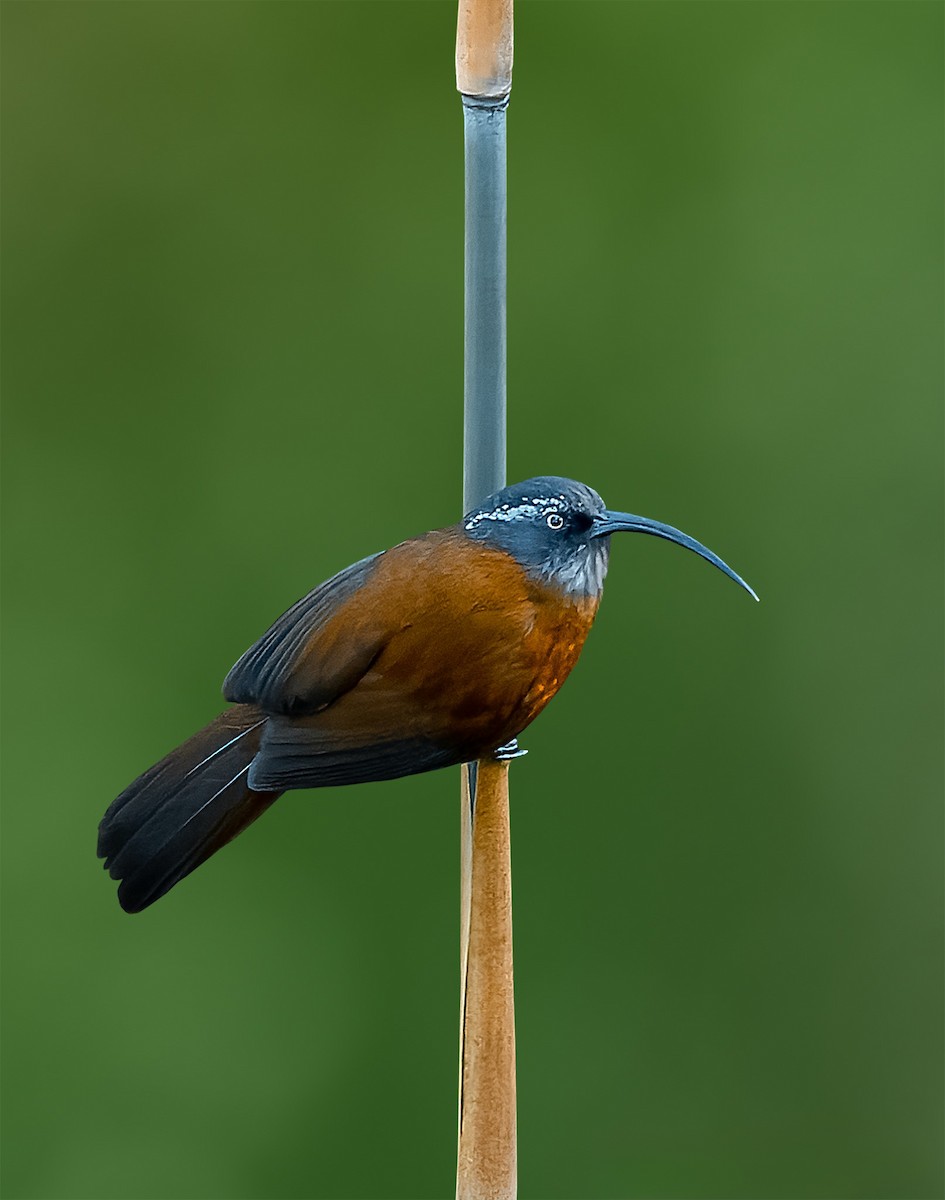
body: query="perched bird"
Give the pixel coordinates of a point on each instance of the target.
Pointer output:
(436, 652)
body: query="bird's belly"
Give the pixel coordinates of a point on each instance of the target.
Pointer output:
(477, 682)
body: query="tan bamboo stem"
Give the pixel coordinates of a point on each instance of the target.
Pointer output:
(484, 48)
(486, 1160)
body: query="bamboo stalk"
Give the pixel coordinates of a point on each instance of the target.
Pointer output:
(486, 1154)
(484, 48)
(484, 358)
(486, 1163)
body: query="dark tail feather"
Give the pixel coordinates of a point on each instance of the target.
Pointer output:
(182, 810)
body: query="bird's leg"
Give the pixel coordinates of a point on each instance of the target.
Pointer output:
(509, 751)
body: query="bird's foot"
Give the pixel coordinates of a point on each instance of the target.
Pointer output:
(509, 751)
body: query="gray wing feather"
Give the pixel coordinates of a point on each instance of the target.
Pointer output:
(265, 674)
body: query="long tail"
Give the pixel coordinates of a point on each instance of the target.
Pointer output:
(174, 816)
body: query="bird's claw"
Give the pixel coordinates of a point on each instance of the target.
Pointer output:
(509, 751)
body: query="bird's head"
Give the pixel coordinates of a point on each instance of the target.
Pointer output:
(559, 530)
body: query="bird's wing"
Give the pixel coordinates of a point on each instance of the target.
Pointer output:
(304, 755)
(307, 659)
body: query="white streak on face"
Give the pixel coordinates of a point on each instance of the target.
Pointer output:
(527, 510)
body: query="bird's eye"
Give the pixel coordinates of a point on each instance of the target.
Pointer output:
(554, 520)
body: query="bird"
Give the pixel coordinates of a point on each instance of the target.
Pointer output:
(439, 651)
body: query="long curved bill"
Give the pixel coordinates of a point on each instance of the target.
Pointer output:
(618, 522)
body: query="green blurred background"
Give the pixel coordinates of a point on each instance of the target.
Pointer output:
(233, 341)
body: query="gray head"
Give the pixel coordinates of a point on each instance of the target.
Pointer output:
(559, 530)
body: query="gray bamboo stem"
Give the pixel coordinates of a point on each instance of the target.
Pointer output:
(484, 372)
